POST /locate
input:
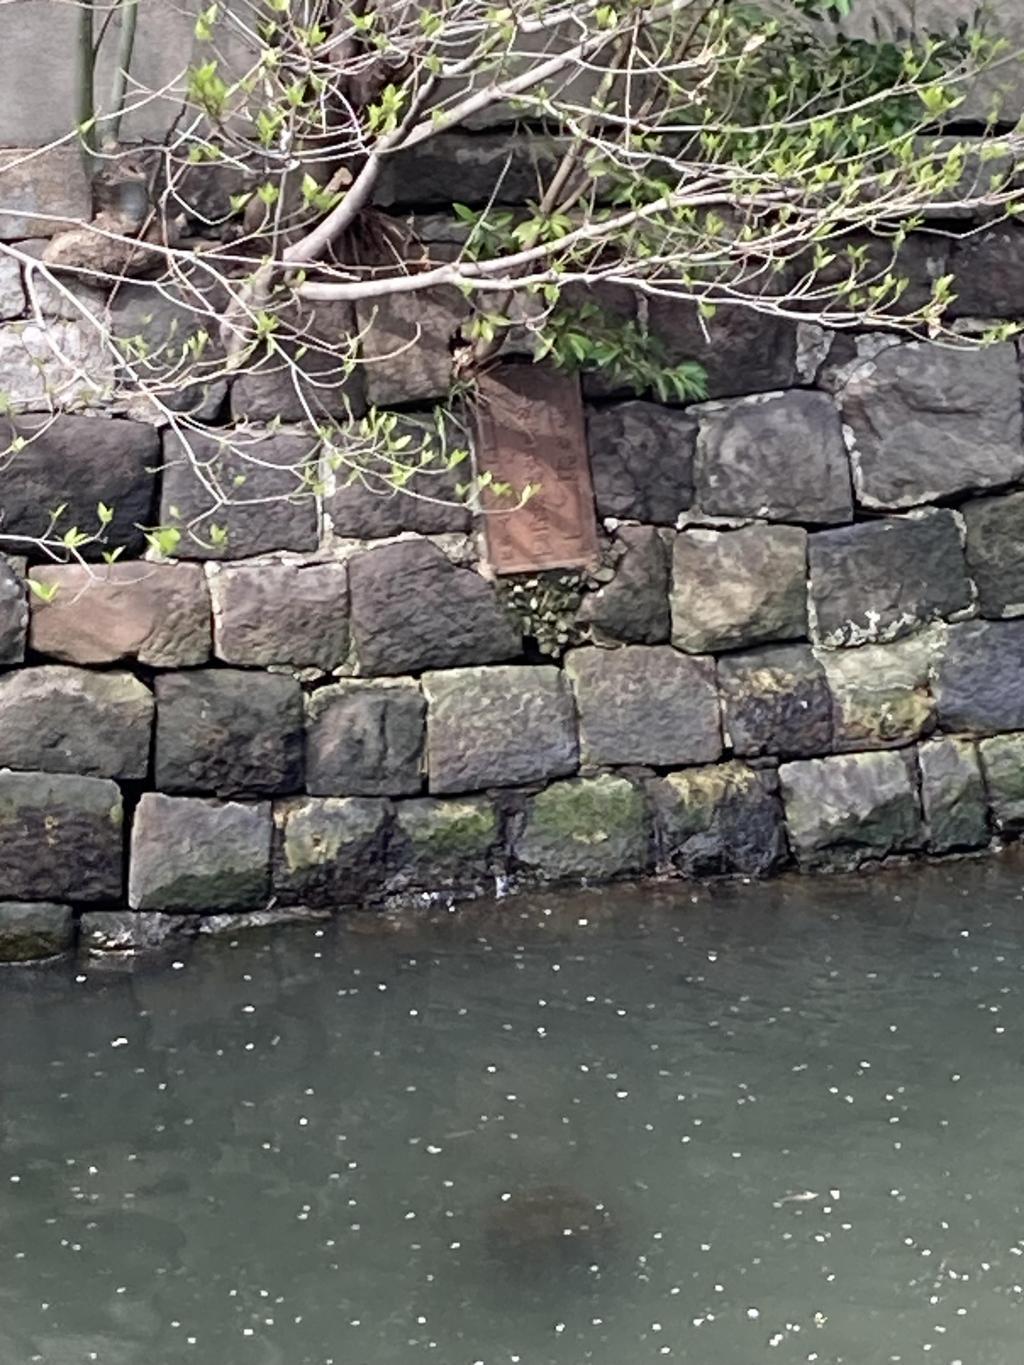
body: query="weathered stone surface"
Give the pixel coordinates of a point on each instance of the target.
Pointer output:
(741, 350)
(330, 851)
(157, 614)
(633, 608)
(978, 683)
(1002, 761)
(988, 274)
(851, 808)
(780, 456)
(161, 323)
(995, 553)
(295, 614)
(44, 191)
(928, 421)
(498, 727)
(952, 794)
(879, 580)
(592, 828)
(408, 344)
(13, 609)
(719, 820)
(413, 609)
(732, 589)
(194, 855)
(450, 846)
(645, 705)
(12, 296)
(307, 383)
(882, 693)
(31, 931)
(67, 720)
(79, 462)
(272, 509)
(228, 732)
(60, 837)
(365, 738)
(55, 366)
(465, 168)
(126, 933)
(777, 702)
(641, 460)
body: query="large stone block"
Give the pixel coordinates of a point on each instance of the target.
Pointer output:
(720, 820)
(413, 609)
(190, 855)
(365, 738)
(779, 456)
(13, 609)
(882, 693)
(67, 720)
(590, 828)
(928, 421)
(55, 366)
(32, 930)
(742, 351)
(633, 608)
(1002, 761)
(60, 837)
(158, 326)
(12, 295)
(645, 705)
(157, 614)
(305, 379)
(777, 702)
(851, 808)
(465, 168)
(733, 589)
(641, 461)
(45, 190)
(879, 580)
(229, 733)
(995, 553)
(498, 727)
(988, 274)
(253, 486)
(78, 462)
(952, 794)
(330, 851)
(978, 677)
(290, 614)
(408, 344)
(445, 847)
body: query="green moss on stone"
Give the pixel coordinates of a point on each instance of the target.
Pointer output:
(450, 829)
(589, 810)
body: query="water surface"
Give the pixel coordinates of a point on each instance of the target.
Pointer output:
(795, 1111)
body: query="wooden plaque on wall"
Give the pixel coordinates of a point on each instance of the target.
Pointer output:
(530, 430)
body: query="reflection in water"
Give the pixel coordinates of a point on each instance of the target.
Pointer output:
(757, 1123)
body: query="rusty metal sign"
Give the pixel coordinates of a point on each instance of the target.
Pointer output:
(530, 431)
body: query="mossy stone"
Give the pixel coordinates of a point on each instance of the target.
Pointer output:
(592, 828)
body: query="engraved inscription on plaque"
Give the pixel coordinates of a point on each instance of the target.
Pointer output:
(530, 431)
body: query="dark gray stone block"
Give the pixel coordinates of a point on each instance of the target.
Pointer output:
(60, 837)
(161, 323)
(68, 720)
(743, 351)
(988, 274)
(995, 553)
(199, 856)
(32, 931)
(465, 168)
(879, 580)
(408, 344)
(271, 509)
(952, 794)
(413, 609)
(281, 614)
(330, 851)
(229, 733)
(928, 421)
(851, 808)
(365, 738)
(718, 821)
(78, 462)
(590, 828)
(305, 380)
(978, 684)
(498, 727)
(445, 847)
(641, 461)
(778, 456)
(633, 608)
(777, 701)
(645, 705)
(734, 589)
(1002, 761)
(13, 610)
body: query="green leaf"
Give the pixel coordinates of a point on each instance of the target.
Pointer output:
(46, 592)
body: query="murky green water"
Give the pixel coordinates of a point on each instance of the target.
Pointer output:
(790, 1117)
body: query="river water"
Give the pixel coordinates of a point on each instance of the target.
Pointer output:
(771, 1123)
